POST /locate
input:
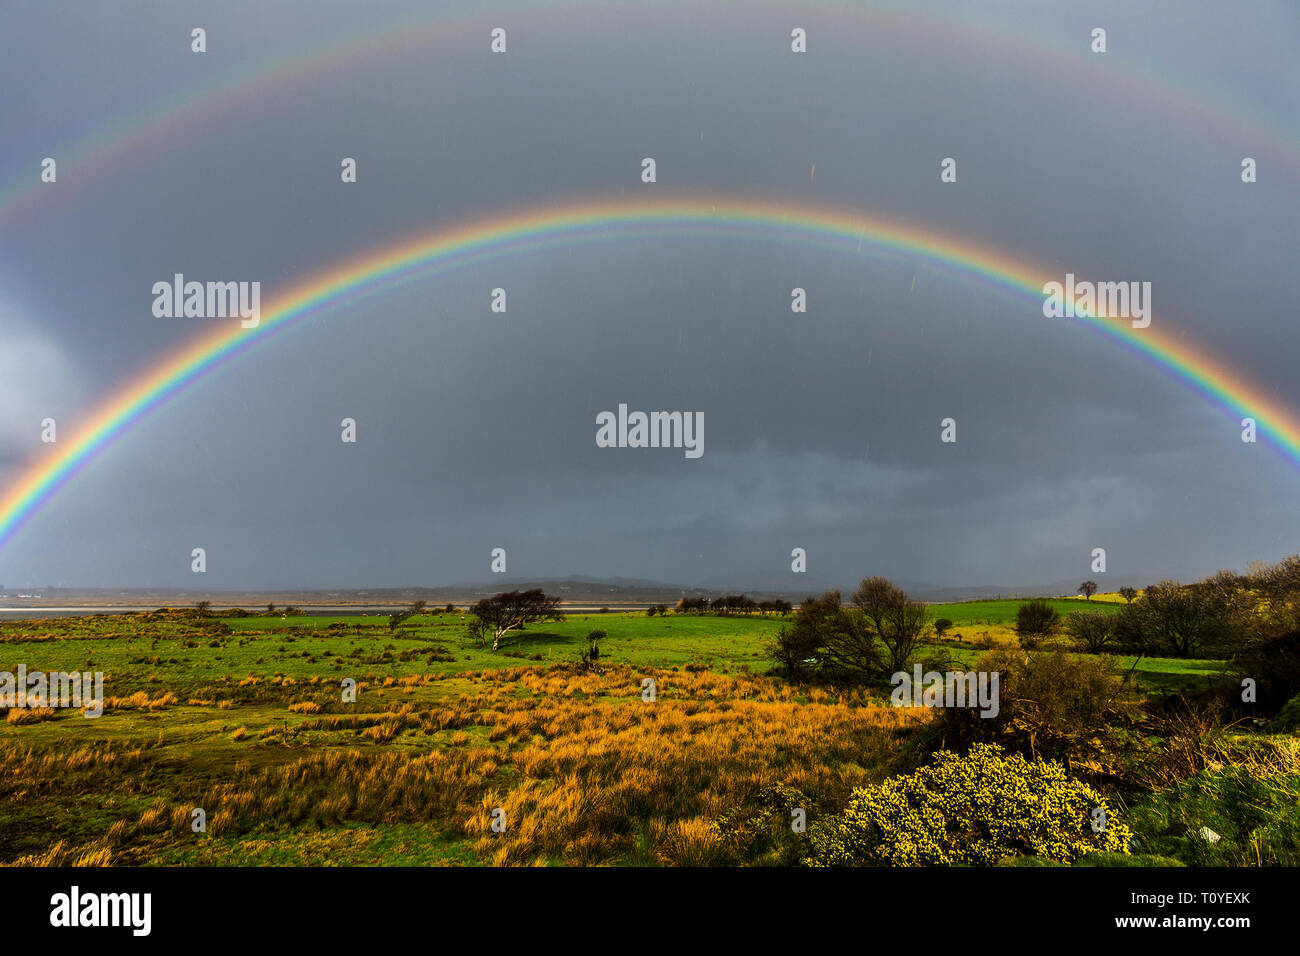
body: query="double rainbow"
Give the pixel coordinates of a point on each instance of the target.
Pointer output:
(603, 221)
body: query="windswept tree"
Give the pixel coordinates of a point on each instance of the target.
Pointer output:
(397, 617)
(511, 611)
(894, 618)
(1087, 589)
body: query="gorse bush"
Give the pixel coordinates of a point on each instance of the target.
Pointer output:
(972, 810)
(762, 832)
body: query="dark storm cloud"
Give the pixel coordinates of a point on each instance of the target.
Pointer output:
(477, 430)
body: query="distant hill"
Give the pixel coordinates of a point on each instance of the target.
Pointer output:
(574, 589)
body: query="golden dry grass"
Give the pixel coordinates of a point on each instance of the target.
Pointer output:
(29, 715)
(61, 854)
(583, 770)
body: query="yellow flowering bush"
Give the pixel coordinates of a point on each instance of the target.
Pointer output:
(973, 810)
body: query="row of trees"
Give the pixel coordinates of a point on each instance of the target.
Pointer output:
(732, 604)
(514, 610)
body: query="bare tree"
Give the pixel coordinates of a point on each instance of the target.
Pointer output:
(895, 619)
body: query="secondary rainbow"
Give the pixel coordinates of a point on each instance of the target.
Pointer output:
(451, 27)
(605, 220)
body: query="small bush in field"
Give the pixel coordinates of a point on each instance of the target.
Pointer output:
(1035, 621)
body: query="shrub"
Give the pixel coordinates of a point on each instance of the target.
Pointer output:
(1091, 630)
(1050, 704)
(589, 656)
(1035, 621)
(761, 832)
(826, 640)
(1288, 718)
(973, 810)
(1275, 667)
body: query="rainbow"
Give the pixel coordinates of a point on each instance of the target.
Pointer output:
(602, 221)
(452, 25)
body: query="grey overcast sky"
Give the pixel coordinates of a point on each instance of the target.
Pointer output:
(477, 430)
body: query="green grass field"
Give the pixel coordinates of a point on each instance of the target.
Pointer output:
(216, 712)
(1004, 612)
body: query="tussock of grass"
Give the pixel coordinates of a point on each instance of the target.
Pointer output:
(29, 715)
(61, 854)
